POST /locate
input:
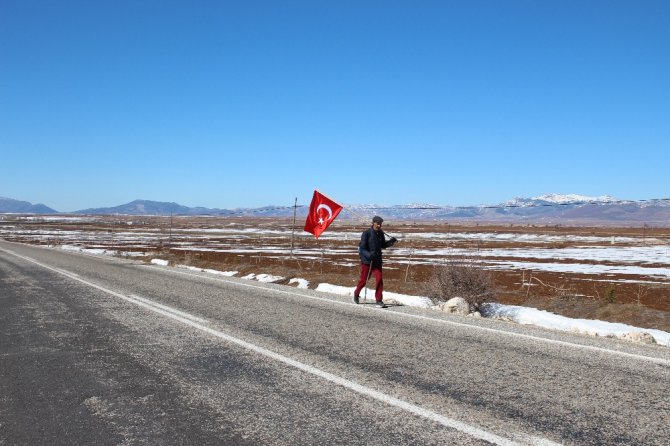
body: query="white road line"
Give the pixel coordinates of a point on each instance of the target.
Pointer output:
(473, 431)
(170, 309)
(652, 359)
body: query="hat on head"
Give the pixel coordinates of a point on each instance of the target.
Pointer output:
(377, 219)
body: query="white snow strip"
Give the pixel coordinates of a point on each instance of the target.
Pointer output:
(70, 248)
(190, 268)
(220, 273)
(581, 268)
(208, 271)
(389, 297)
(268, 278)
(541, 318)
(302, 283)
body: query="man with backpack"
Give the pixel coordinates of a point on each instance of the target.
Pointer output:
(370, 251)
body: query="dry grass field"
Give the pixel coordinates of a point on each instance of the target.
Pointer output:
(618, 274)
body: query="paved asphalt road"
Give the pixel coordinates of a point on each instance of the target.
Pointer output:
(106, 351)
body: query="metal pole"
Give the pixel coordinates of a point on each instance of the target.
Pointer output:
(411, 252)
(170, 237)
(295, 208)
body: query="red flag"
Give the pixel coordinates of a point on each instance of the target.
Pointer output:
(322, 212)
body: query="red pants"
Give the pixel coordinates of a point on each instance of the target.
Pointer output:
(377, 271)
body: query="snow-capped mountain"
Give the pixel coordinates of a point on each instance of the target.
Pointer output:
(559, 199)
(545, 209)
(573, 198)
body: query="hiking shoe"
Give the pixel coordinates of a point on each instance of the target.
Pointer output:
(380, 304)
(355, 299)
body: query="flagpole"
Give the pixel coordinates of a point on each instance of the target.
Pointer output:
(295, 208)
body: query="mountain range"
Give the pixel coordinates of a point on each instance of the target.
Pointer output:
(548, 209)
(9, 206)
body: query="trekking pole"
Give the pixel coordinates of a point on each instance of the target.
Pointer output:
(390, 235)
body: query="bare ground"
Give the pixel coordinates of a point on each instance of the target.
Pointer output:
(632, 299)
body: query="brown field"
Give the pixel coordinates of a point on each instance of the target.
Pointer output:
(264, 245)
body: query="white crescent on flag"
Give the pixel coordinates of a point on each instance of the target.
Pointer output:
(327, 208)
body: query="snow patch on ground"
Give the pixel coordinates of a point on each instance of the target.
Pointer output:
(541, 318)
(267, 278)
(302, 283)
(209, 271)
(390, 298)
(160, 262)
(220, 273)
(98, 251)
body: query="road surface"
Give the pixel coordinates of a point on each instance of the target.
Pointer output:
(97, 350)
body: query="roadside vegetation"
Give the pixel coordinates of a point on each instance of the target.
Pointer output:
(461, 277)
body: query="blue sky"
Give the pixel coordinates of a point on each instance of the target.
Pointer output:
(234, 104)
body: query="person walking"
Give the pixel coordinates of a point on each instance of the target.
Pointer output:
(370, 251)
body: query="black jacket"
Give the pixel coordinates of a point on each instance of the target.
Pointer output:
(371, 245)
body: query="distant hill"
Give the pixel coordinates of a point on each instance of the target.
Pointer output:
(545, 209)
(11, 206)
(147, 207)
(139, 207)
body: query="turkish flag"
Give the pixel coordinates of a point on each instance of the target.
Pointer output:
(322, 212)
